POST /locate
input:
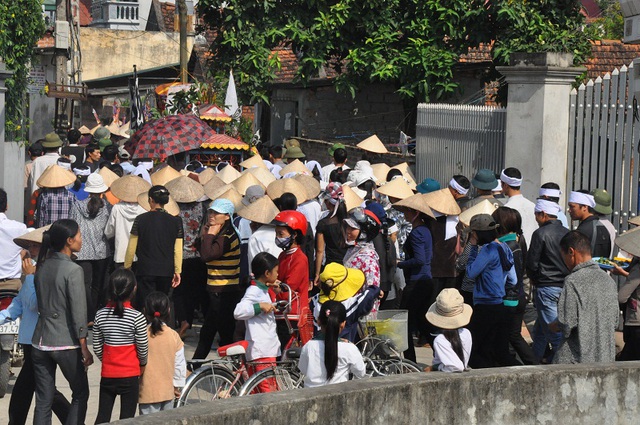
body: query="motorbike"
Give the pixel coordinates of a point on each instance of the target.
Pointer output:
(11, 353)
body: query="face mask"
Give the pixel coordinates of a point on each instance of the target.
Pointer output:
(284, 243)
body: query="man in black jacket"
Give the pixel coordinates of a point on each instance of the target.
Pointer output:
(547, 272)
(581, 207)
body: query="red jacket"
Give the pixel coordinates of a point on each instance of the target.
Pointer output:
(294, 271)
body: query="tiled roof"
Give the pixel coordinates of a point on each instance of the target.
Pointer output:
(288, 64)
(168, 16)
(47, 41)
(85, 13)
(609, 54)
(478, 54)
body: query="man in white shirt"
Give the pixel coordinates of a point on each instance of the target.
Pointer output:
(51, 145)
(339, 154)
(511, 180)
(10, 253)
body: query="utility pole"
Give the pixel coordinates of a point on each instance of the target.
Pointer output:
(61, 61)
(182, 17)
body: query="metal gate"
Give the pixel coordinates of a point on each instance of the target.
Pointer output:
(603, 153)
(459, 139)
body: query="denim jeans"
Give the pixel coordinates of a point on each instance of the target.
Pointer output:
(546, 302)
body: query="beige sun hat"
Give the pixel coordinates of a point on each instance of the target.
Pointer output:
(261, 211)
(84, 130)
(380, 172)
(228, 174)
(635, 220)
(416, 202)
(245, 181)
(372, 144)
(397, 188)
(212, 186)
(295, 166)
(407, 173)
(443, 202)
(114, 128)
(254, 161)
(278, 187)
(449, 311)
(94, 129)
(629, 242)
(484, 207)
(108, 176)
(230, 193)
(127, 188)
(164, 175)
(171, 207)
(55, 176)
(125, 130)
(265, 176)
(351, 199)
(185, 189)
(30, 238)
(205, 175)
(311, 185)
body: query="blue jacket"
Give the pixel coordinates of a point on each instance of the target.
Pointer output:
(25, 306)
(418, 251)
(485, 267)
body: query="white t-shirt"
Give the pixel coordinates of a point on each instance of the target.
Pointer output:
(445, 358)
(526, 208)
(263, 240)
(10, 261)
(312, 363)
(261, 327)
(312, 212)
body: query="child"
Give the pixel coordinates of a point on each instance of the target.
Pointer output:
(257, 310)
(329, 360)
(452, 347)
(167, 368)
(120, 341)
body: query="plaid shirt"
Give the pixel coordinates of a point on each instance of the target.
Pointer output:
(53, 204)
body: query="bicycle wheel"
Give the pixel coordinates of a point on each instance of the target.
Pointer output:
(401, 366)
(392, 366)
(207, 384)
(280, 379)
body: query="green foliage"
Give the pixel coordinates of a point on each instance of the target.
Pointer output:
(21, 25)
(413, 44)
(611, 22)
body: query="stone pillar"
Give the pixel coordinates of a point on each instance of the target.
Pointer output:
(11, 160)
(538, 117)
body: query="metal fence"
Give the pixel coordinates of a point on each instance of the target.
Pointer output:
(459, 139)
(602, 151)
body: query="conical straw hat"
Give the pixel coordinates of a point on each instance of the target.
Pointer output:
(396, 188)
(185, 189)
(254, 161)
(229, 192)
(443, 202)
(278, 187)
(127, 188)
(295, 166)
(84, 130)
(262, 174)
(108, 176)
(630, 242)
(205, 175)
(261, 211)
(56, 176)
(93, 130)
(372, 144)
(407, 173)
(212, 185)
(244, 181)
(416, 202)
(32, 237)
(164, 175)
(171, 207)
(635, 220)
(125, 131)
(311, 185)
(228, 174)
(484, 207)
(114, 128)
(351, 199)
(380, 172)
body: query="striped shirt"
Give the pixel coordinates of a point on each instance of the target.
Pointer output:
(121, 343)
(222, 254)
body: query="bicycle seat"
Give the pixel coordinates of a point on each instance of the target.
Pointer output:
(294, 353)
(235, 349)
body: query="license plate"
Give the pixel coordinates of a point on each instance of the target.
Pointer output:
(10, 327)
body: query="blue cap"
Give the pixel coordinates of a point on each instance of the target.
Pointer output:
(378, 210)
(223, 206)
(428, 185)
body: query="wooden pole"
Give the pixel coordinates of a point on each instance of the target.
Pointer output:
(182, 17)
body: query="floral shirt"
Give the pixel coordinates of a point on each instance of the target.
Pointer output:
(365, 258)
(404, 228)
(192, 215)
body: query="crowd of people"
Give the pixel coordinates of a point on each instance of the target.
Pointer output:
(134, 253)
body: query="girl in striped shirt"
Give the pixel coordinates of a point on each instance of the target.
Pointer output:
(121, 342)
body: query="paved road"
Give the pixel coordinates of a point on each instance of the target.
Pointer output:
(424, 356)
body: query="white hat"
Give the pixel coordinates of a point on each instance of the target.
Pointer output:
(449, 311)
(95, 184)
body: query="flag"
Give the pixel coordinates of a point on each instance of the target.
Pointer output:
(231, 99)
(137, 117)
(96, 116)
(404, 141)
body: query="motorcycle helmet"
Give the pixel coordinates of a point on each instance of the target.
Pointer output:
(366, 221)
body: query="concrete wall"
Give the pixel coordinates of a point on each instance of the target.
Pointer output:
(106, 52)
(42, 108)
(576, 394)
(322, 113)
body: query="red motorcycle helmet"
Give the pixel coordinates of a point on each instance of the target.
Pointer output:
(294, 220)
